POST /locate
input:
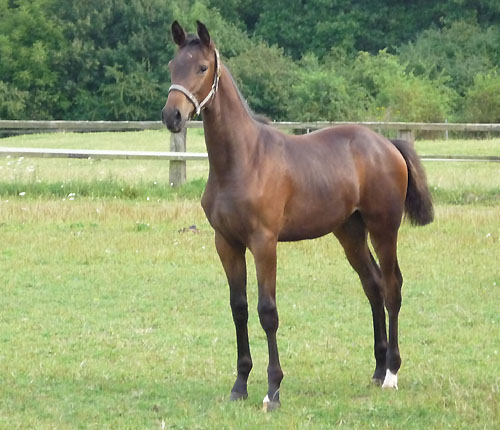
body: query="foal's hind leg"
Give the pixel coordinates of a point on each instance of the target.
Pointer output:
(385, 244)
(232, 257)
(263, 248)
(352, 235)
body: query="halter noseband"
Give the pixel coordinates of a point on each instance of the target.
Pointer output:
(192, 98)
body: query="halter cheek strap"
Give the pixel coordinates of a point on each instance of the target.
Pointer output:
(192, 98)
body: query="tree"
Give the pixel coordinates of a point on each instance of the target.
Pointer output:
(107, 59)
(301, 26)
(29, 46)
(459, 51)
(115, 64)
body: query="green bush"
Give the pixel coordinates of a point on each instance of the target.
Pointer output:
(399, 95)
(265, 77)
(482, 100)
(321, 93)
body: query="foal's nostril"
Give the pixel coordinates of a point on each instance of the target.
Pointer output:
(178, 116)
(172, 118)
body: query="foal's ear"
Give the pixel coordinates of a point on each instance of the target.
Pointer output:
(203, 34)
(178, 34)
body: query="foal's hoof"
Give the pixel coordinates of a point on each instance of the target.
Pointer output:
(391, 380)
(268, 406)
(379, 375)
(238, 396)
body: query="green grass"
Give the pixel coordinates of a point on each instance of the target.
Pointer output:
(482, 147)
(114, 315)
(463, 182)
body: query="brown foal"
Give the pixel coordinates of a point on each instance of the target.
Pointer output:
(265, 186)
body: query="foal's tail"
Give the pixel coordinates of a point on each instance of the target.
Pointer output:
(418, 203)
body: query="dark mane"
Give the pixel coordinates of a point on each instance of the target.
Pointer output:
(257, 117)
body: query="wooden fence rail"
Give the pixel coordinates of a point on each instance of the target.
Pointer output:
(101, 154)
(178, 155)
(104, 154)
(12, 126)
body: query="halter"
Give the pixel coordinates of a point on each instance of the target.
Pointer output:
(192, 98)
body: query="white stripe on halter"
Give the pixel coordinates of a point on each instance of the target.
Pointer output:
(192, 98)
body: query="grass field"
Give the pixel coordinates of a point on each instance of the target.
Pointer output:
(112, 315)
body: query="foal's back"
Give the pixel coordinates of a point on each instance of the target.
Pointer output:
(325, 176)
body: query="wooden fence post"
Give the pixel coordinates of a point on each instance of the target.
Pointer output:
(177, 169)
(408, 135)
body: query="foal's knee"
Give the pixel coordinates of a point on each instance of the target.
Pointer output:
(268, 314)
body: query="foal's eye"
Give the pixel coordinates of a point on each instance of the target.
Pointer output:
(203, 69)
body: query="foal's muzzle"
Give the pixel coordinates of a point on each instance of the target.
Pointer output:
(172, 118)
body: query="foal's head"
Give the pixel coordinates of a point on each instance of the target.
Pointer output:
(194, 74)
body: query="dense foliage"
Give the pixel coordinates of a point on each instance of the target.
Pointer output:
(294, 60)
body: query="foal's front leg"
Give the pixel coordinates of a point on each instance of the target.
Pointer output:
(232, 256)
(263, 248)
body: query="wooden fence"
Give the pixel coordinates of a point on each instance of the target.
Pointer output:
(95, 126)
(178, 155)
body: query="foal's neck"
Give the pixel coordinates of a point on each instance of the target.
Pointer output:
(230, 131)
